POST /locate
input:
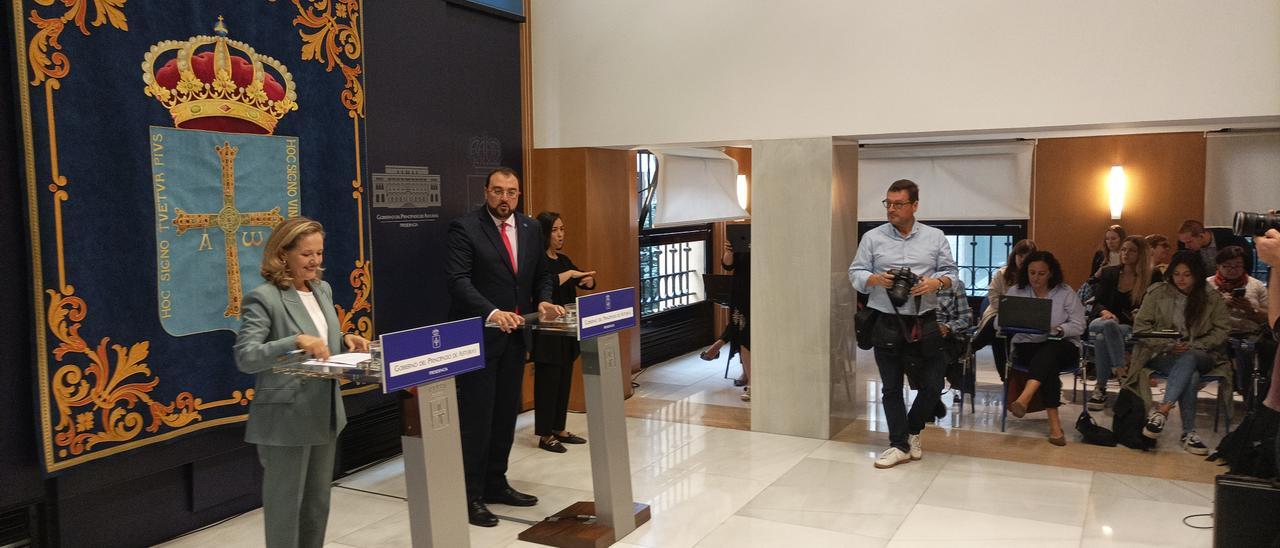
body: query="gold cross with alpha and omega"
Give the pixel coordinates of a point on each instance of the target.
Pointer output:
(229, 220)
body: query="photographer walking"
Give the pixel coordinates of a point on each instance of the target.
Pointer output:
(902, 265)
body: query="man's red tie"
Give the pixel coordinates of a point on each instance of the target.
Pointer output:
(507, 242)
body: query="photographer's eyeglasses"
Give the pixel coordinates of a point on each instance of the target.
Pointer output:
(895, 205)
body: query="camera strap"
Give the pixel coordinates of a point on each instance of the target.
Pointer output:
(914, 334)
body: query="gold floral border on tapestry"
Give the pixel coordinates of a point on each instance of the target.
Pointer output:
(119, 385)
(331, 35)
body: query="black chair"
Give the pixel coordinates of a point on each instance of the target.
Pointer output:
(1077, 372)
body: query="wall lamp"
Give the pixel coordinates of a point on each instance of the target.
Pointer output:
(743, 191)
(1117, 183)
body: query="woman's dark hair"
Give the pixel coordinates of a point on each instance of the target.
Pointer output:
(1102, 247)
(1198, 297)
(1023, 247)
(547, 219)
(1055, 269)
(1230, 252)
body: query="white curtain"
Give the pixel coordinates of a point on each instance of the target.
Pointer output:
(964, 181)
(1241, 172)
(696, 186)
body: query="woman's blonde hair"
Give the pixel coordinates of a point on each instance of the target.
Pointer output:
(1141, 269)
(284, 237)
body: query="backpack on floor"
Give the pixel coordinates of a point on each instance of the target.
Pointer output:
(1250, 449)
(1093, 433)
(1130, 418)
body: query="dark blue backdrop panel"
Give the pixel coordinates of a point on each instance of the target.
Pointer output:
(438, 124)
(109, 378)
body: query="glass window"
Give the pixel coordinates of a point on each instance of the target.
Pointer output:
(978, 256)
(672, 260)
(671, 275)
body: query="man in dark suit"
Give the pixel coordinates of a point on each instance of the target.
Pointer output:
(497, 270)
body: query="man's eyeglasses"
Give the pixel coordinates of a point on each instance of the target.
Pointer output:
(498, 192)
(894, 205)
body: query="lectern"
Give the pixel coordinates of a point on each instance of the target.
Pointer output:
(427, 358)
(595, 320)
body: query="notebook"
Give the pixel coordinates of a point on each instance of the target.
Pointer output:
(1025, 313)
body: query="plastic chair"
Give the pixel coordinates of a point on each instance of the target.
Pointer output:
(1077, 372)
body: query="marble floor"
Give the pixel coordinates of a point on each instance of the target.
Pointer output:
(726, 486)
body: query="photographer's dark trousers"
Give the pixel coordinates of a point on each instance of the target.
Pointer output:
(927, 363)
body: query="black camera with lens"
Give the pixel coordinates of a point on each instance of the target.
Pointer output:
(903, 281)
(1254, 224)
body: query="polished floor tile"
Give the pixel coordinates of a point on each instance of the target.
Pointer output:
(1045, 500)
(1122, 521)
(972, 465)
(687, 505)
(747, 455)
(867, 526)
(747, 532)
(850, 488)
(688, 378)
(1107, 485)
(937, 523)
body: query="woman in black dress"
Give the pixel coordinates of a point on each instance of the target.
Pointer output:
(553, 356)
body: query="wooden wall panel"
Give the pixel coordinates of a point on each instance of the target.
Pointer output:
(594, 191)
(1070, 208)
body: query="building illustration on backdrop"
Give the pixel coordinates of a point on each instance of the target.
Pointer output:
(406, 187)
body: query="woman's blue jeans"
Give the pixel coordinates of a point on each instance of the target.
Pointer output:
(1108, 347)
(1184, 381)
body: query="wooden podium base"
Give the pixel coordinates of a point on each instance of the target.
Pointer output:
(566, 529)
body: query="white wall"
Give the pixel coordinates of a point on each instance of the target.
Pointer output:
(614, 72)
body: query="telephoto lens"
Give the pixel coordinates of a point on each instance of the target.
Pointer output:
(1254, 224)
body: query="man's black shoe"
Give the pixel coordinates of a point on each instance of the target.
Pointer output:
(510, 497)
(479, 514)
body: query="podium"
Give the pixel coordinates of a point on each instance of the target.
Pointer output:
(427, 358)
(596, 320)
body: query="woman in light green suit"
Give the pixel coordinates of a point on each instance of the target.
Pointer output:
(294, 420)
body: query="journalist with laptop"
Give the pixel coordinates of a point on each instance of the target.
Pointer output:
(1048, 320)
(901, 265)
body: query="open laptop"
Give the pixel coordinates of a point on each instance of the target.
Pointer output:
(1025, 313)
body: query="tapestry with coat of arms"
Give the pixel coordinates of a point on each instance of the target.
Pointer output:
(163, 141)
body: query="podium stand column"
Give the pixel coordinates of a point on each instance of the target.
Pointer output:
(606, 423)
(433, 471)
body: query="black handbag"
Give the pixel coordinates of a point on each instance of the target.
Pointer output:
(1093, 433)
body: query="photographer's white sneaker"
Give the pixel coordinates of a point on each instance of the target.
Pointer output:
(892, 457)
(917, 449)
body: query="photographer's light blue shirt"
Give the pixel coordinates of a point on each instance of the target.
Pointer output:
(925, 251)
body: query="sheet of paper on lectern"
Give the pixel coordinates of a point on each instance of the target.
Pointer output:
(349, 359)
